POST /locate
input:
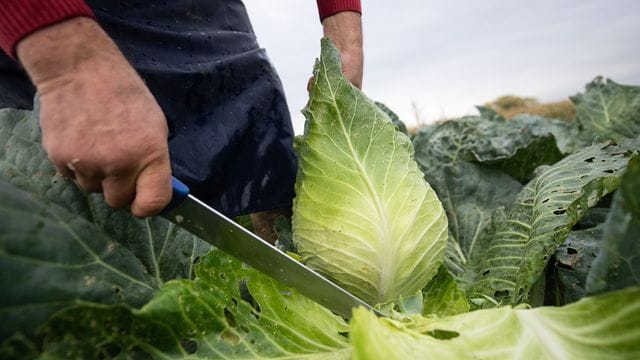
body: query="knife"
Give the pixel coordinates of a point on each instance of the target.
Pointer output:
(193, 215)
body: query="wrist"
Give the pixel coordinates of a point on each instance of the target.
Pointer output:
(64, 48)
(345, 31)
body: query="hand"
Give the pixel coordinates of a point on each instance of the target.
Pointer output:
(345, 30)
(100, 124)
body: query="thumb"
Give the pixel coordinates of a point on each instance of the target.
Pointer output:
(153, 189)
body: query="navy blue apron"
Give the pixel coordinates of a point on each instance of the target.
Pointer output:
(230, 134)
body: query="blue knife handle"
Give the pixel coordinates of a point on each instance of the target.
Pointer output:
(180, 192)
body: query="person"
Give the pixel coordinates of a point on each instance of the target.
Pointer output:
(131, 92)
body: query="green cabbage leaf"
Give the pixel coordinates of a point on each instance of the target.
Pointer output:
(363, 214)
(599, 327)
(617, 264)
(608, 110)
(513, 252)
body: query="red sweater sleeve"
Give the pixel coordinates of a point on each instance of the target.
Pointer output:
(327, 8)
(19, 18)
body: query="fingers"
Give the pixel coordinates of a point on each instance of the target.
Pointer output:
(148, 191)
(119, 191)
(152, 189)
(89, 183)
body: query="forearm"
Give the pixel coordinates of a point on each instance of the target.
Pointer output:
(345, 30)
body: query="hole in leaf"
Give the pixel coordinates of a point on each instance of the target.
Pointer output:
(196, 260)
(609, 171)
(559, 211)
(244, 292)
(521, 291)
(244, 329)
(344, 334)
(245, 295)
(571, 251)
(118, 292)
(501, 294)
(545, 200)
(590, 160)
(443, 334)
(189, 345)
(486, 272)
(231, 320)
(564, 266)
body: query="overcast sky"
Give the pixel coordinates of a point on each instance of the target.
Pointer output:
(447, 56)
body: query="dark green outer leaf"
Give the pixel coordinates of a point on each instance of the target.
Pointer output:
(573, 261)
(470, 194)
(56, 261)
(566, 133)
(515, 147)
(618, 262)
(284, 241)
(608, 110)
(214, 316)
(395, 119)
(513, 255)
(51, 258)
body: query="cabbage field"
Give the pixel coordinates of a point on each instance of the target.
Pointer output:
(522, 243)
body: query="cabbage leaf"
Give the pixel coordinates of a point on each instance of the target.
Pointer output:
(512, 254)
(617, 264)
(608, 110)
(600, 327)
(363, 214)
(229, 311)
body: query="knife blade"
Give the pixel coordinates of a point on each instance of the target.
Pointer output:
(193, 215)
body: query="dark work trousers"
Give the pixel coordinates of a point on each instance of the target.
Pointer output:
(230, 133)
